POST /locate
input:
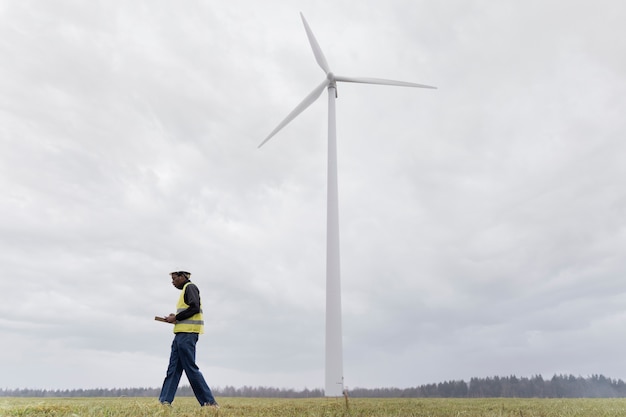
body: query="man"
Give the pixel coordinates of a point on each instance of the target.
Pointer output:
(188, 324)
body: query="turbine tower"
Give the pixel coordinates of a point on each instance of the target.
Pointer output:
(334, 349)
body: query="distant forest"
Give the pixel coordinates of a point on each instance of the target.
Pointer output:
(559, 386)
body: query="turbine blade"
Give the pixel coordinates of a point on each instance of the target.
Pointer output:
(317, 51)
(308, 100)
(380, 81)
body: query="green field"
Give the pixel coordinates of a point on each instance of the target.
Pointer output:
(322, 407)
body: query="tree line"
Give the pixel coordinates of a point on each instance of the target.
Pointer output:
(559, 386)
(183, 391)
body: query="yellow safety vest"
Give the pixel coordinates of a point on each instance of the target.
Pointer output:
(195, 323)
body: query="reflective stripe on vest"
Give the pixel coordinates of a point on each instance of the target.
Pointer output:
(193, 324)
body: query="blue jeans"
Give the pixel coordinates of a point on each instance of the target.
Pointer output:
(183, 358)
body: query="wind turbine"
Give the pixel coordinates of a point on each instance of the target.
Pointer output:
(334, 349)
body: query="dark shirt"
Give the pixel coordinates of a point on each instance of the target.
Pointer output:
(192, 299)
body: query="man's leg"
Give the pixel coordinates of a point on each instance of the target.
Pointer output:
(187, 355)
(174, 372)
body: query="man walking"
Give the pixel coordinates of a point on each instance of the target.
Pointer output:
(188, 324)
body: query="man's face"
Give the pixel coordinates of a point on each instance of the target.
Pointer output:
(177, 280)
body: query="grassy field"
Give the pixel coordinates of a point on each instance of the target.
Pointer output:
(322, 407)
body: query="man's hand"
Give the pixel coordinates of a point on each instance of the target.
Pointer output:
(171, 318)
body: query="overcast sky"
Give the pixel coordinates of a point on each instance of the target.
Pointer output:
(483, 224)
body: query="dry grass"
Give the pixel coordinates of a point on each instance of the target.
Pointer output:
(317, 407)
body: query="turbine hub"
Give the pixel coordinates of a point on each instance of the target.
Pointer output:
(331, 77)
